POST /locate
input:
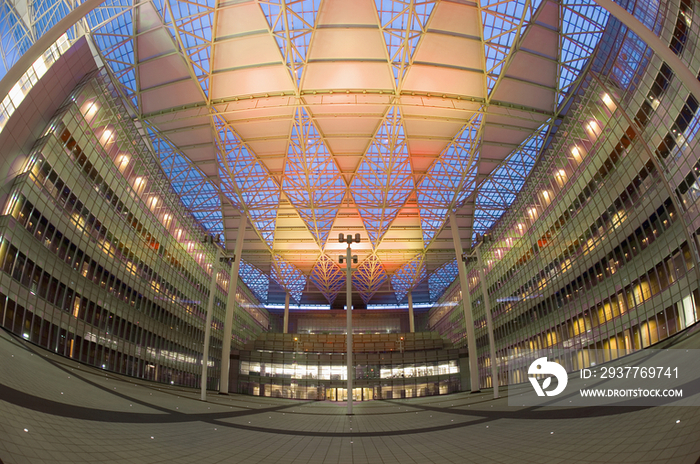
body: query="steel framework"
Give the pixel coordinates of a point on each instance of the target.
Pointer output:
(314, 115)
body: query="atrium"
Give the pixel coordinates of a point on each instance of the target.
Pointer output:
(259, 210)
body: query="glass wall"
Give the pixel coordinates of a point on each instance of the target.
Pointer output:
(320, 376)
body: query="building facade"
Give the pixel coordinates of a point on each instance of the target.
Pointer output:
(100, 260)
(598, 257)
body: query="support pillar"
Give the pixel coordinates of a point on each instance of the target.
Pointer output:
(466, 306)
(411, 320)
(286, 312)
(207, 324)
(489, 321)
(231, 308)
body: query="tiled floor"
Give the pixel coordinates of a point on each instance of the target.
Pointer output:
(55, 410)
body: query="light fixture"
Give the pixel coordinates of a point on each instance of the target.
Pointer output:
(609, 103)
(91, 108)
(593, 128)
(577, 153)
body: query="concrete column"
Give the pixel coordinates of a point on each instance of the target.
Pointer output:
(231, 309)
(411, 320)
(286, 312)
(207, 323)
(466, 306)
(464, 379)
(489, 321)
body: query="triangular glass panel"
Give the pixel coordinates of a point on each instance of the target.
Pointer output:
(47, 13)
(289, 277)
(193, 22)
(195, 190)
(582, 27)
(449, 179)
(328, 277)
(312, 181)
(442, 278)
(369, 277)
(246, 181)
(384, 180)
(255, 279)
(407, 277)
(403, 23)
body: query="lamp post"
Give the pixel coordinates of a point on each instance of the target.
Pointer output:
(349, 259)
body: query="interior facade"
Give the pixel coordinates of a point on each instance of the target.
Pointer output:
(522, 175)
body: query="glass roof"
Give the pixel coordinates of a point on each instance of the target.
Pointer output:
(314, 117)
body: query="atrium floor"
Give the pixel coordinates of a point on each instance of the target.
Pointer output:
(55, 410)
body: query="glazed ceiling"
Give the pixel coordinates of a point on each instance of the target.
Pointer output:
(314, 117)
